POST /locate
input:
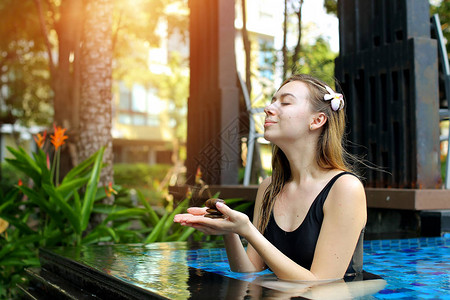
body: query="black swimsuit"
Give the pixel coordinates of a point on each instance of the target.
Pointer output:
(299, 245)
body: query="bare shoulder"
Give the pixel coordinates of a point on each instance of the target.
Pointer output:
(348, 183)
(348, 193)
(265, 183)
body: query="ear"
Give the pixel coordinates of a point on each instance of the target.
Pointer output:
(317, 121)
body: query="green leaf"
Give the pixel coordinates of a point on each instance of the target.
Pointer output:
(41, 160)
(80, 168)
(91, 189)
(76, 202)
(106, 208)
(154, 219)
(185, 234)
(67, 188)
(182, 206)
(12, 262)
(6, 249)
(23, 157)
(6, 204)
(102, 230)
(43, 204)
(243, 207)
(19, 243)
(32, 261)
(125, 213)
(17, 223)
(11, 195)
(156, 232)
(229, 201)
(66, 209)
(25, 168)
(96, 236)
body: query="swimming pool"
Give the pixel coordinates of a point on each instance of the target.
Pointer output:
(412, 269)
(416, 268)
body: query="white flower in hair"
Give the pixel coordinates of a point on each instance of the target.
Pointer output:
(337, 100)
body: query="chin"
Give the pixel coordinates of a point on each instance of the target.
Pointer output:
(270, 138)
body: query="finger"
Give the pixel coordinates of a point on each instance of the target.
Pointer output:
(181, 217)
(224, 209)
(188, 218)
(197, 210)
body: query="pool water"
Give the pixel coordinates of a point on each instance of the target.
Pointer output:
(411, 268)
(416, 268)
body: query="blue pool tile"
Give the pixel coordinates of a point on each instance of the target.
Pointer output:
(412, 268)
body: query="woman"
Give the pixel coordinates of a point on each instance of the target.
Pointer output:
(310, 214)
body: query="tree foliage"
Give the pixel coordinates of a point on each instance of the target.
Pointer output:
(40, 52)
(317, 59)
(25, 94)
(330, 6)
(314, 58)
(443, 10)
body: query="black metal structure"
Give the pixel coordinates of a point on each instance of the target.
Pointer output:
(388, 70)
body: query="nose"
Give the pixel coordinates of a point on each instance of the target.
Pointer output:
(269, 109)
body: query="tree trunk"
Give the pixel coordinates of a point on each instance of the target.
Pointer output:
(247, 48)
(284, 49)
(64, 82)
(96, 80)
(298, 47)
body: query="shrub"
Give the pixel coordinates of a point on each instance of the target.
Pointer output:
(145, 178)
(139, 174)
(10, 177)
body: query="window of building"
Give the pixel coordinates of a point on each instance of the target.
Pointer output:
(139, 106)
(266, 59)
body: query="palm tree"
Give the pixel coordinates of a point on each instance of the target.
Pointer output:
(95, 110)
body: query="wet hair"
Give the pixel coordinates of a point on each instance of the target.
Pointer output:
(330, 153)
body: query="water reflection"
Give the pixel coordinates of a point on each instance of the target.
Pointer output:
(182, 271)
(269, 287)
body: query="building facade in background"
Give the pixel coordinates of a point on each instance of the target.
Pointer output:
(143, 127)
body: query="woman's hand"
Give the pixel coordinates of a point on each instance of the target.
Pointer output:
(232, 221)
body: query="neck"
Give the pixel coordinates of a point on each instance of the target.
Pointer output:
(302, 159)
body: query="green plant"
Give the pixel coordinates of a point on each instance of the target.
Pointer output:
(139, 174)
(143, 224)
(64, 209)
(40, 213)
(144, 177)
(10, 177)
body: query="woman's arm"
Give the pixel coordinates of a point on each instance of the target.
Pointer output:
(345, 215)
(344, 218)
(250, 261)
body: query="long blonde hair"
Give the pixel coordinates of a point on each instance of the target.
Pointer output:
(331, 153)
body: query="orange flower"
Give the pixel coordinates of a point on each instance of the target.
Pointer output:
(198, 176)
(58, 137)
(20, 183)
(110, 190)
(40, 139)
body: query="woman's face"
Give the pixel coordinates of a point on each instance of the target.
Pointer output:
(289, 115)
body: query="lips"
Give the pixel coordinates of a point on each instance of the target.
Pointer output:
(269, 123)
